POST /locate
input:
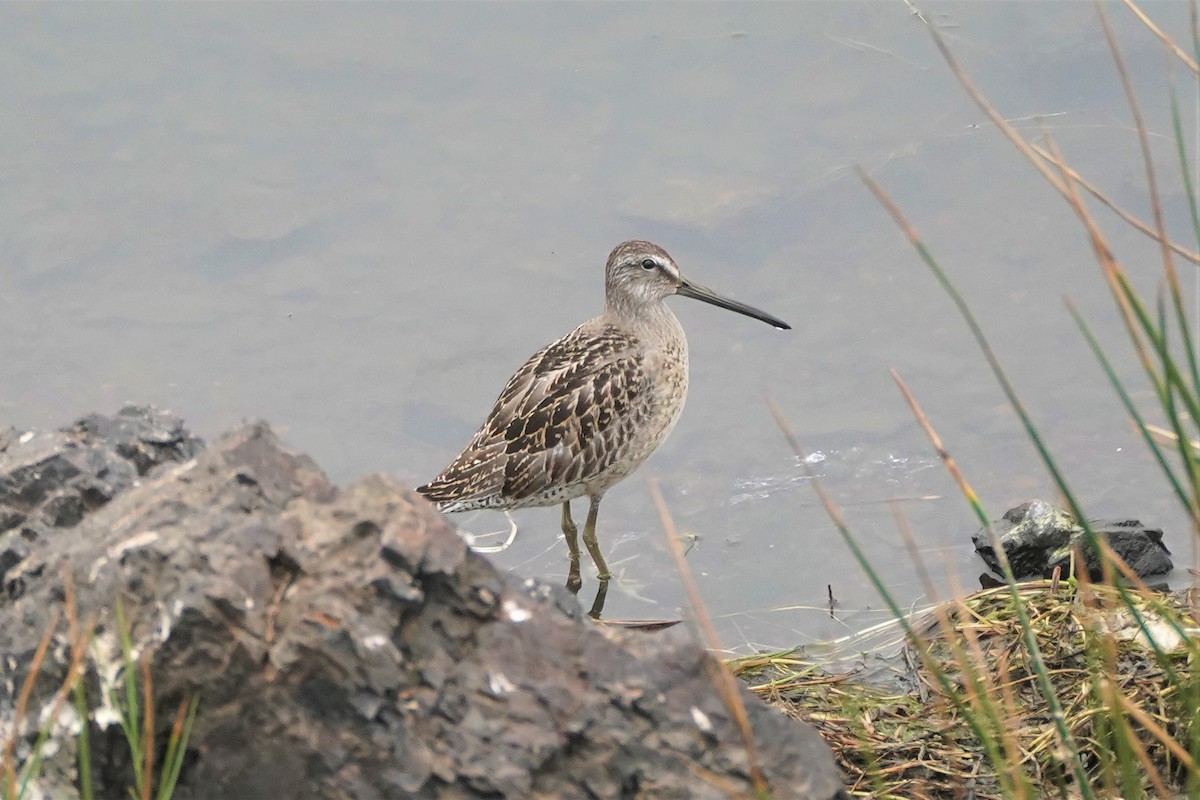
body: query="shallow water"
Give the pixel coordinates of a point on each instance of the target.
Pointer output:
(358, 220)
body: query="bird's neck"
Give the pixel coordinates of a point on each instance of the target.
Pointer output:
(653, 314)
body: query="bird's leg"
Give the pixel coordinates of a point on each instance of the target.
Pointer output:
(571, 534)
(598, 603)
(589, 539)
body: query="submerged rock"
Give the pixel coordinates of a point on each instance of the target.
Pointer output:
(346, 643)
(1038, 537)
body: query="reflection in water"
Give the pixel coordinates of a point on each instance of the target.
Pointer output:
(635, 624)
(473, 539)
(574, 577)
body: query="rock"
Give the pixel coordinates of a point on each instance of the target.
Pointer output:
(1038, 537)
(49, 481)
(347, 644)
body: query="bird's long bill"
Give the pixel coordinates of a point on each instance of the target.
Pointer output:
(698, 292)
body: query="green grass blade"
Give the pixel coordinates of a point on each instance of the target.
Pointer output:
(34, 767)
(1185, 164)
(83, 744)
(1187, 453)
(1194, 25)
(128, 712)
(177, 751)
(1191, 701)
(1171, 371)
(1131, 409)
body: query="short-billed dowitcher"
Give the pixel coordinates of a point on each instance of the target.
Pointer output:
(585, 411)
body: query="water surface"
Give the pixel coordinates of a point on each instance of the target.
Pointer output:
(358, 220)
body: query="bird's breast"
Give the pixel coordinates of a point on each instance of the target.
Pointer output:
(670, 386)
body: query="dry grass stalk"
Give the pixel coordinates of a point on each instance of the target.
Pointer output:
(723, 680)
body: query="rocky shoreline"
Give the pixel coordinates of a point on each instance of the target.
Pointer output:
(344, 641)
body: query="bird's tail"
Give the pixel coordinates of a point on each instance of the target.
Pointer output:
(438, 492)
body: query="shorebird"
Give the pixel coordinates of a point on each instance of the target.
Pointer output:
(588, 409)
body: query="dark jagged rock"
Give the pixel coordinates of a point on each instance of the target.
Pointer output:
(346, 644)
(50, 481)
(1038, 537)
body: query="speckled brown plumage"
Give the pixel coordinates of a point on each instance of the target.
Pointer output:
(587, 410)
(564, 426)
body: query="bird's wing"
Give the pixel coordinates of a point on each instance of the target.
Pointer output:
(548, 426)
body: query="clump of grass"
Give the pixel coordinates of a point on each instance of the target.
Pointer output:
(910, 739)
(139, 728)
(21, 774)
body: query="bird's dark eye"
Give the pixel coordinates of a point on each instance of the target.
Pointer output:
(649, 263)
